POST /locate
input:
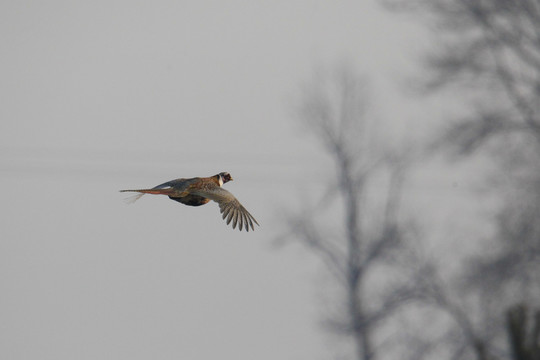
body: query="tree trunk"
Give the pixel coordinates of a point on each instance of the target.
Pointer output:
(524, 340)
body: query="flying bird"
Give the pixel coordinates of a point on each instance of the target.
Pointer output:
(199, 191)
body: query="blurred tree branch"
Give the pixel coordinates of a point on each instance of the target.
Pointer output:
(490, 51)
(493, 47)
(334, 109)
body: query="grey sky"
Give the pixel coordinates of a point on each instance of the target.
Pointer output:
(103, 95)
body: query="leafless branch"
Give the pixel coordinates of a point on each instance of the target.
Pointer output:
(334, 109)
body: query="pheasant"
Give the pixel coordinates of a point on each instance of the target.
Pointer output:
(199, 191)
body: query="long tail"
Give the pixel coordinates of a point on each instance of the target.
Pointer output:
(132, 199)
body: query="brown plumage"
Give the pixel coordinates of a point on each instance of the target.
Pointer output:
(199, 191)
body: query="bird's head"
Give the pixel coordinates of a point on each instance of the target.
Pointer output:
(224, 177)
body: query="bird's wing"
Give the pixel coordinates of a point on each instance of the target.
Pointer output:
(230, 207)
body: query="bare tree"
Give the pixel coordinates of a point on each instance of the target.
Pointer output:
(360, 242)
(490, 51)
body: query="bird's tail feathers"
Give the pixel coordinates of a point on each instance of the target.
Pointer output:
(133, 198)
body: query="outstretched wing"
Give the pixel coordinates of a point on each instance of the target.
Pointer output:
(230, 207)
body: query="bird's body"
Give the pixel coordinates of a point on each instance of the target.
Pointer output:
(199, 191)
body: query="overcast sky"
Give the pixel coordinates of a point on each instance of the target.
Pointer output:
(103, 95)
